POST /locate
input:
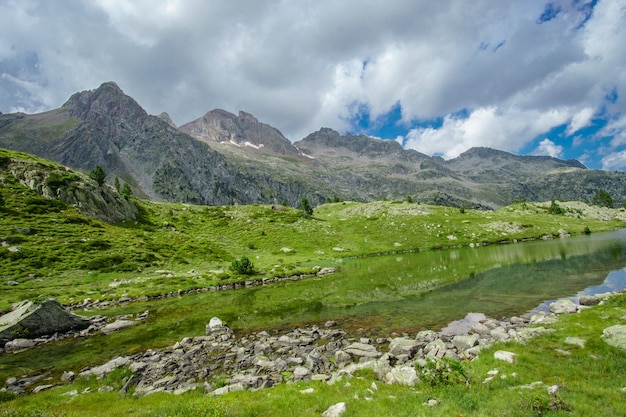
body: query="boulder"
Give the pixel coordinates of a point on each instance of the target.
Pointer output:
(335, 410)
(118, 325)
(29, 320)
(615, 336)
(592, 300)
(402, 375)
(403, 346)
(503, 355)
(362, 350)
(464, 342)
(563, 307)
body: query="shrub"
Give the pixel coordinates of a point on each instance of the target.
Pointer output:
(555, 208)
(242, 266)
(442, 372)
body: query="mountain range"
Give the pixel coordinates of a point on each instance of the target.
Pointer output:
(225, 159)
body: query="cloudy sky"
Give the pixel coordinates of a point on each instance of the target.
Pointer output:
(528, 77)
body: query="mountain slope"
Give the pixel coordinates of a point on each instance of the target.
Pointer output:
(223, 159)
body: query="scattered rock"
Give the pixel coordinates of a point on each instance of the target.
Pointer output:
(615, 336)
(362, 350)
(335, 410)
(592, 300)
(575, 341)
(563, 307)
(118, 325)
(431, 403)
(504, 355)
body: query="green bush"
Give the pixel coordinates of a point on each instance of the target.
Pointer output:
(442, 372)
(555, 208)
(242, 266)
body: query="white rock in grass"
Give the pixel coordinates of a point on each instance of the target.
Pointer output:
(503, 355)
(335, 410)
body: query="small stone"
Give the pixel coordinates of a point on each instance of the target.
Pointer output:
(553, 389)
(118, 325)
(307, 391)
(575, 341)
(615, 336)
(41, 388)
(503, 355)
(430, 403)
(335, 410)
(214, 324)
(300, 372)
(67, 376)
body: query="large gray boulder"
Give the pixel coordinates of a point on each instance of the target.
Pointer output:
(29, 320)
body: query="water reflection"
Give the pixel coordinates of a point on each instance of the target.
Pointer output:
(429, 290)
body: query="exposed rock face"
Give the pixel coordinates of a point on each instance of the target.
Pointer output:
(29, 320)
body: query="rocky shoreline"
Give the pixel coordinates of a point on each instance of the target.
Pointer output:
(219, 362)
(89, 303)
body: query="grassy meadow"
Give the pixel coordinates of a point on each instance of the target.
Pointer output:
(52, 250)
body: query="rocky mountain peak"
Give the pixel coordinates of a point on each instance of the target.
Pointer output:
(242, 130)
(166, 117)
(326, 139)
(107, 101)
(485, 154)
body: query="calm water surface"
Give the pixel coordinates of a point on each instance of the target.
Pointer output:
(411, 292)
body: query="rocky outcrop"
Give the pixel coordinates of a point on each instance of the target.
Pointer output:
(72, 188)
(29, 320)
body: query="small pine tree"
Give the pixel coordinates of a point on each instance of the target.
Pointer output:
(409, 199)
(126, 191)
(555, 208)
(242, 266)
(2, 202)
(306, 207)
(117, 184)
(603, 199)
(98, 175)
